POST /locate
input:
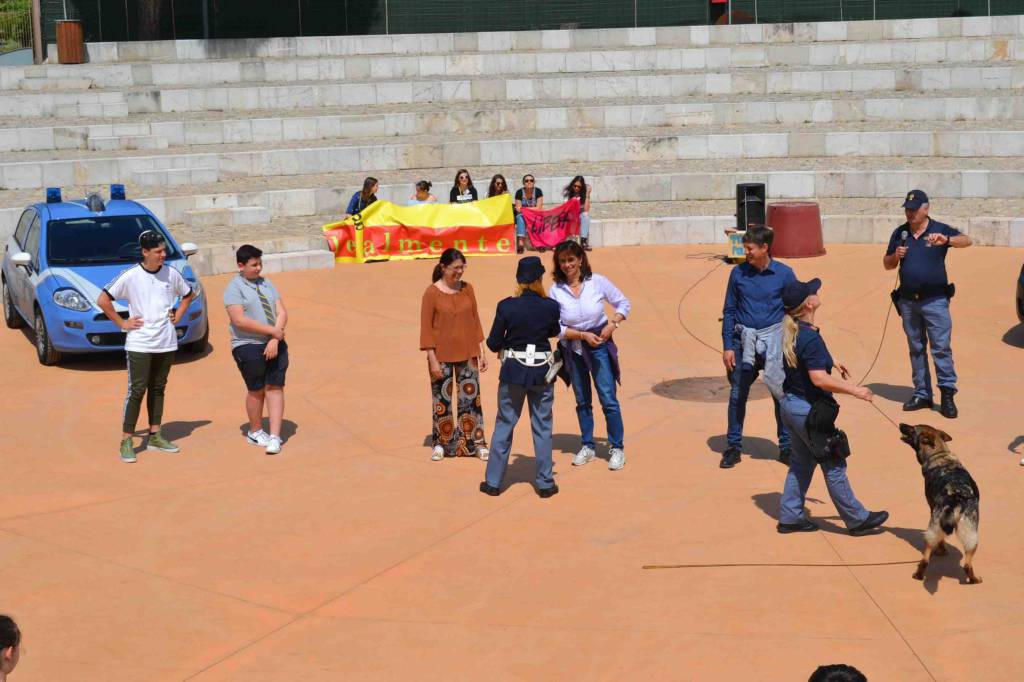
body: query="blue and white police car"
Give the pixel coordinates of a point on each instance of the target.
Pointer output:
(60, 257)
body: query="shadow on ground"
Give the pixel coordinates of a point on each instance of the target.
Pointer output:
(897, 394)
(947, 566)
(288, 429)
(757, 448)
(1014, 336)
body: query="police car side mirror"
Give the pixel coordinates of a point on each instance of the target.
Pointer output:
(21, 258)
(189, 248)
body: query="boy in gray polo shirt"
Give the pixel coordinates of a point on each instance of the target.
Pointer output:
(258, 320)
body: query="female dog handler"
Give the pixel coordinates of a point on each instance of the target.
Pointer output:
(522, 326)
(808, 367)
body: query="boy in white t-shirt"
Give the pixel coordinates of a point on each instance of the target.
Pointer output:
(150, 289)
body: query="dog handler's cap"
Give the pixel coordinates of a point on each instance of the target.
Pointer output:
(795, 293)
(530, 269)
(915, 198)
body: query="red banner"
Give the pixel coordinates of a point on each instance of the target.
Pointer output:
(552, 227)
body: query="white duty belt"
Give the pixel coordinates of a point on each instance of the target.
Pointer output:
(530, 357)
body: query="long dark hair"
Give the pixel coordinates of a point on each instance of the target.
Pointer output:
(367, 196)
(568, 193)
(492, 190)
(468, 177)
(10, 635)
(572, 248)
(448, 256)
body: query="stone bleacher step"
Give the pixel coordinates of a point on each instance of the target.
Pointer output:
(231, 215)
(507, 41)
(172, 176)
(55, 84)
(279, 255)
(312, 252)
(598, 60)
(115, 143)
(526, 88)
(468, 119)
(206, 167)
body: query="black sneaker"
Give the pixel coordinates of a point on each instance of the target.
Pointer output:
(730, 458)
(947, 408)
(804, 526)
(547, 492)
(874, 520)
(784, 454)
(917, 403)
(489, 489)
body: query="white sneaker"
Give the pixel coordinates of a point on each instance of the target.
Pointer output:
(617, 459)
(438, 453)
(585, 454)
(273, 445)
(260, 438)
(483, 453)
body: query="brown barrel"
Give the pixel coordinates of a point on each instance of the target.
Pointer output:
(70, 42)
(797, 226)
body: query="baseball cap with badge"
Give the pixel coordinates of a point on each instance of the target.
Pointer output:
(914, 199)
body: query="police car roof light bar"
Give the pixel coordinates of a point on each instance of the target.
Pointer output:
(117, 192)
(53, 195)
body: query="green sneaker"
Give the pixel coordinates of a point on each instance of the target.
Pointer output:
(128, 452)
(158, 442)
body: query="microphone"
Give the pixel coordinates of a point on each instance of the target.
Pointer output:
(903, 238)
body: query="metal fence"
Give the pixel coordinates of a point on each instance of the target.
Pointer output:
(118, 20)
(15, 25)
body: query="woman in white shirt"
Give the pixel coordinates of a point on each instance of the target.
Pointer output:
(588, 350)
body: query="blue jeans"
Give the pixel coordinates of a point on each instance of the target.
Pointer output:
(510, 406)
(585, 225)
(604, 381)
(928, 322)
(801, 469)
(741, 379)
(520, 225)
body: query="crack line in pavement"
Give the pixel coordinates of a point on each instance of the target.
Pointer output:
(144, 572)
(824, 537)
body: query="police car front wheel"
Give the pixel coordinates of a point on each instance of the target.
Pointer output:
(45, 351)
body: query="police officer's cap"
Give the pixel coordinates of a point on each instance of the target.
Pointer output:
(530, 269)
(915, 198)
(796, 292)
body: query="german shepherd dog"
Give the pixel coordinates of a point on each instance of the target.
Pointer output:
(951, 493)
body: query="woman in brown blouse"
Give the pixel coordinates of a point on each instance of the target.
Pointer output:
(451, 335)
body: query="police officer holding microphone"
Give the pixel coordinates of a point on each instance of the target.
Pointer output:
(523, 325)
(918, 247)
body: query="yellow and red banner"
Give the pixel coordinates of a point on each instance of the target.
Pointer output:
(386, 231)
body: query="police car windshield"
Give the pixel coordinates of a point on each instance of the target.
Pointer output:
(107, 239)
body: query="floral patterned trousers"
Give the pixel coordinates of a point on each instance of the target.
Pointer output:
(460, 435)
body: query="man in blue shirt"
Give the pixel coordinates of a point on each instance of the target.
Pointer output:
(752, 335)
(918, 247)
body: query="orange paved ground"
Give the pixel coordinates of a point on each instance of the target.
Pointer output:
(352, 556)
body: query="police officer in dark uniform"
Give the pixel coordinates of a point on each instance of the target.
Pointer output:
(522, 326)
(918, 247)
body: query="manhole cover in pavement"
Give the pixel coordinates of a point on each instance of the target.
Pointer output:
(704, 389)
